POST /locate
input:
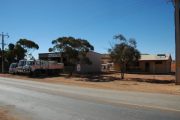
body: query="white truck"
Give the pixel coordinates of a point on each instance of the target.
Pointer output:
(39, 66)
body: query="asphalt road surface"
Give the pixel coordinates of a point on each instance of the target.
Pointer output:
(42, 101)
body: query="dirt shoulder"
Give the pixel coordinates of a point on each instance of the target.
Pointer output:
(132, 82)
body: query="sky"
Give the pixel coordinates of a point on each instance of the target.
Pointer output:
(150, 22)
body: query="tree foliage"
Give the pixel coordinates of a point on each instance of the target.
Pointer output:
(28, 45)
(74, 50)
(17, 51)
(124, 52)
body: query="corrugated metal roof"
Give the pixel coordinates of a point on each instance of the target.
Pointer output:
(155, 57)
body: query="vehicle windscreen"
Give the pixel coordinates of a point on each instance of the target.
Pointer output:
(14, 65)
(30, 62)
(21, 63)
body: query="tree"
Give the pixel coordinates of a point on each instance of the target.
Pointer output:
(13, 53)
(74, 50)
(18, 51)
(10, 54)
(124, 52)
(28, 45)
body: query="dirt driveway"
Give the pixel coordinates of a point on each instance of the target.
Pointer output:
(132, 82)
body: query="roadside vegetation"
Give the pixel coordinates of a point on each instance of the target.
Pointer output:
(124, 53)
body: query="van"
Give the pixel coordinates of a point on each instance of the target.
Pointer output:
(13, 68)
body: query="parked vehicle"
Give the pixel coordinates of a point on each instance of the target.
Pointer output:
(39, 66)
(20, 67)
(12, 68)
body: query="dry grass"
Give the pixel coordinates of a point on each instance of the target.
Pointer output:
(132, 82)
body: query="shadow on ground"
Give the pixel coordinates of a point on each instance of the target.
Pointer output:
(43, 76)
(109, 78)
(153, 80)
(103, 78)
(98, 78)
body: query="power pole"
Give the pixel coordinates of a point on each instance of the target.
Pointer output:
(2, 56)
(177, 41)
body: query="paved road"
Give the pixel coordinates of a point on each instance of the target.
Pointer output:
(43, 101)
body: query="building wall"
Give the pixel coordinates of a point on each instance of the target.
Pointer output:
(161, 68)
(168, 64)
(157, 67)
(95, 67)
(173, 67)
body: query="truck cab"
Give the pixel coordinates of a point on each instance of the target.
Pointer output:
(20, 67)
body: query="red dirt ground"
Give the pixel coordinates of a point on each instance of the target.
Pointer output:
(4, 115)
(132, 82)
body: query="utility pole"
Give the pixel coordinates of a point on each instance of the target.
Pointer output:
(177, 37)
(2, 56)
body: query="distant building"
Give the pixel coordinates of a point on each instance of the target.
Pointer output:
(158, 64)
(94, 57)
(154, 64)
(107, 64)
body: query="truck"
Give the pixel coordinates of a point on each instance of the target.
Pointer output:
(39, 67)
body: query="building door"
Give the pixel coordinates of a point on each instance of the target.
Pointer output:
(147, 66)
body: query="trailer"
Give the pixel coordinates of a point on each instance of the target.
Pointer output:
(39, 67)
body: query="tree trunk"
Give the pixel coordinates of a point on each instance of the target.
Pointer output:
(122, 75)
(72, 70)
(123, 67)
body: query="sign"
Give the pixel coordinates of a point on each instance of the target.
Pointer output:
(78, 67)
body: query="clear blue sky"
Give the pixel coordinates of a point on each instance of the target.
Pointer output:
(150, 22)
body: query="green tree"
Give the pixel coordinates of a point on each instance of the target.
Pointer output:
(16, 52)
(13, 53)
(28, 45)
(124, 52)
(10, 54)
(19, 52)
(74, 50)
